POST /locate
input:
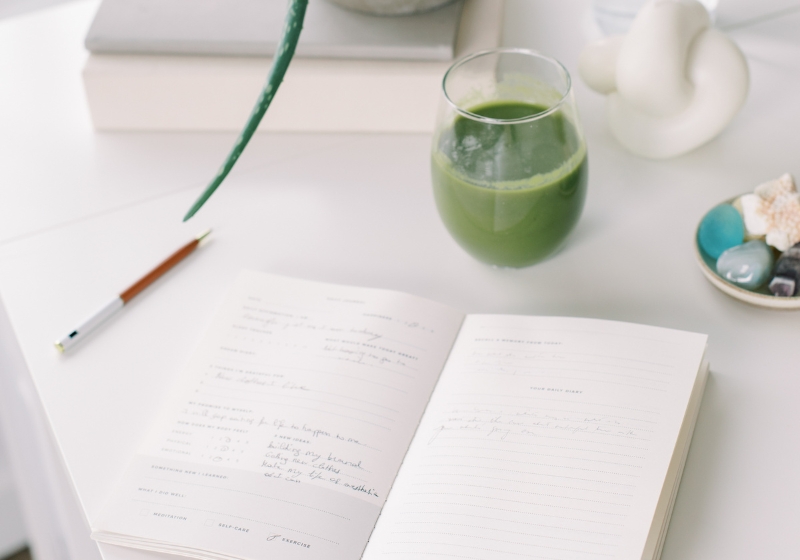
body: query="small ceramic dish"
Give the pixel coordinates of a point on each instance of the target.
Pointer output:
(761, 297)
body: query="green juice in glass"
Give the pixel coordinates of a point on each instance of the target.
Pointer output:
(510, 193)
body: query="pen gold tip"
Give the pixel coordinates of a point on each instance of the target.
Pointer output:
(59, 347)
(203, 235)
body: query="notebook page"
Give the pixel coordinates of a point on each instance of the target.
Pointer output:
(546, 438)
(289, 425)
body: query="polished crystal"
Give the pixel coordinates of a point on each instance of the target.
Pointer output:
(748, 265)
(787, 273)
(721, 229)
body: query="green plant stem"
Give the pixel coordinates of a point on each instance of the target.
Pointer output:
(283, 56)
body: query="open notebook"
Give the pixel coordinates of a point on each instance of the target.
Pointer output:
(328, 422)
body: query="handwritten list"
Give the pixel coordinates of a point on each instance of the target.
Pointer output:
(291, 422)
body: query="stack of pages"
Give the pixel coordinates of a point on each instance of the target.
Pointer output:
(328, 422)
(188, 65)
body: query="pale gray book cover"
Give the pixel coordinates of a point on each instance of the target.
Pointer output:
(253, 28)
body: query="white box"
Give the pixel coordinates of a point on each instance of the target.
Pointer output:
(207, 93)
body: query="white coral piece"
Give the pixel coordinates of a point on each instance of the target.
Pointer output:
(774, 211)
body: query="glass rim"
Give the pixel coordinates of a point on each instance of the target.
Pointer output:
(474, 116)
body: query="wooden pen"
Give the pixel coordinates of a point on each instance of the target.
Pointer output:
(102, 314)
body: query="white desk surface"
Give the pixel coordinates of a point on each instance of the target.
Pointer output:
(82, 214)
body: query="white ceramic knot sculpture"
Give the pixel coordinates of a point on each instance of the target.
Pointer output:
(673, 82)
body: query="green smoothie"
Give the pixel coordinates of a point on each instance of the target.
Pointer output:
(510, 193)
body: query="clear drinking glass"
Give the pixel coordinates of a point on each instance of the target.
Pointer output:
(508, 162)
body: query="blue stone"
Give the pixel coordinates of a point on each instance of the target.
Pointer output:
(748, 266)
(721, 229)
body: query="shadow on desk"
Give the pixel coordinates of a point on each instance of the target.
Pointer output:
(23, 554)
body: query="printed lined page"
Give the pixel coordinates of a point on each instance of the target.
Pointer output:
(288, 428)
(546, 438)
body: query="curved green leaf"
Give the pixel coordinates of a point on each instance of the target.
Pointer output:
(283, 56)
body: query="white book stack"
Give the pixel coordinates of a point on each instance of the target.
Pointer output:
(377, 89)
